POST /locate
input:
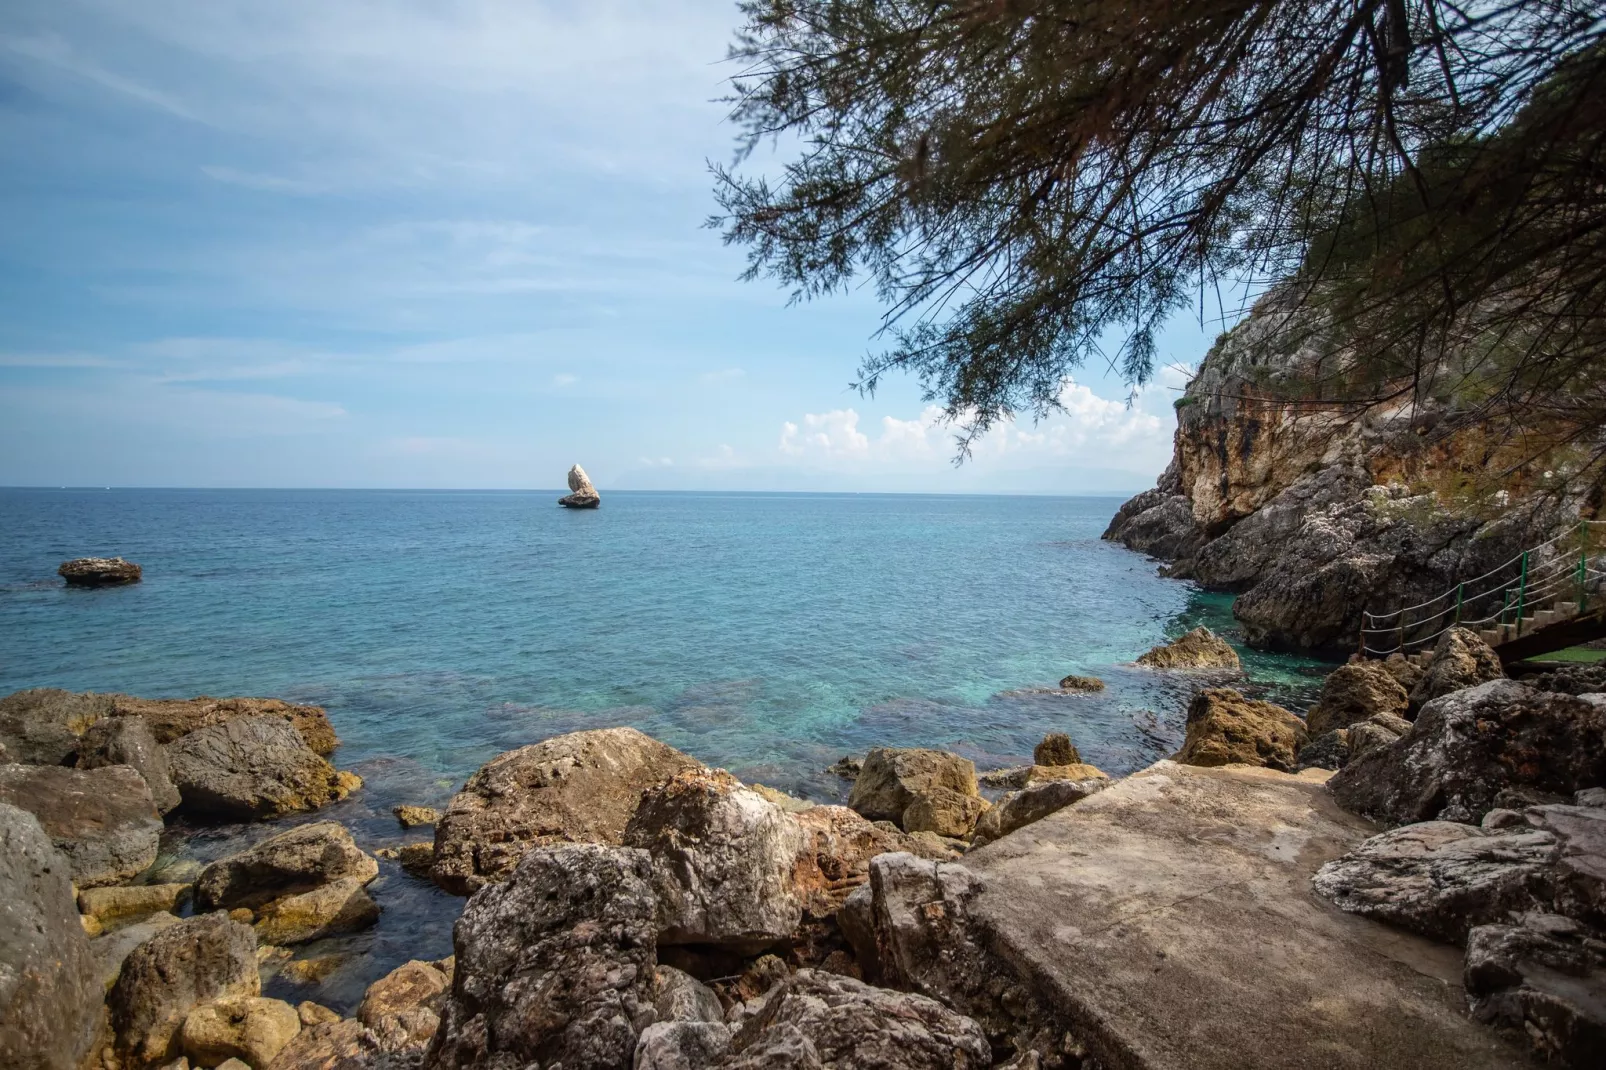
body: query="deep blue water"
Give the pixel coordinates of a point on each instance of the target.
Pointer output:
(770, 634)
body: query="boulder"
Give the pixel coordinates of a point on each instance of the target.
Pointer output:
(118, 903)
(1570, 679)
(1354, 692)
(582, 495)
(1225, 728)
(111, 950)
(892, 778)
(344, 1044)
(172, 718)
(102, 820)
(680, 997)
(43, 725)
(1330, 750)
(128, 741)
(1406, 672)
(1019, 776)
(678, 1045)
(402, 1008)
(847, 767)
(1468, 746)
(198, 961)
(416, 858)
(1439, 878)
(1461, 659)
(249, 1028)
(50, 998)
(835, 859)
(1578, 869)
(1081, 685)
(413, 816)
(249, 769)
(1032, 803)
(722, 862)
(1199, 649)
(576, 788)
(554, 964)
(790, 803)
(292, 862)
(1056, 749)
(1545, 983)
(1371, 734)
(841, 1022)
(340, 906)
(944, 813)
(98, 572)
(312, 1014)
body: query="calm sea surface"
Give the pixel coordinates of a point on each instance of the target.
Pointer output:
(769, 634)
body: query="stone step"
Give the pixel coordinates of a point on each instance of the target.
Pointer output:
(1491, 636)
(1545, 618)
(1566, 609)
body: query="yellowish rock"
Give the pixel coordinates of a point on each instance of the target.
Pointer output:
(944, 812)
(1199, 649)
(312, 1014)
(91, 924)
(1037, 774)
(1226, 728)
(337, 907)
(311, 971)
(253, 1029)
(1056, 749)
(244, 915)
(789, 803)
(413, 816)
(131, 900)
(346, 782)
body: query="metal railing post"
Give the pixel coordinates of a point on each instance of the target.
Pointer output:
(1522, 592)
(1460, 595)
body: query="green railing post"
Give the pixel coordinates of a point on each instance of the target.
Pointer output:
(1505, 605)
(1460, 595)
(1583, 565)
(1522, 592)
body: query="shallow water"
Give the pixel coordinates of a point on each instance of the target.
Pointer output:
(769, 634)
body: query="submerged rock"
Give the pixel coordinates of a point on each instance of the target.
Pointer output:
(184, 966)
(1199, 649)
(1355, 692)
(581, 787)
(1460, 660)
(582, 495)
(251, 768)
(50, 997)
(1081, 684)
(129, 741)
(44, 725)
(99, 572)
(413, 816)
(340, 906)
(102, 820)
(295, 861)
(893, 777)
(1226, 728)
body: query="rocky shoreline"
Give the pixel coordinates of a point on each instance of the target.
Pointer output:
(630, 907)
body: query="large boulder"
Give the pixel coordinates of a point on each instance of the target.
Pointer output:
(892, 777)
(1225, 728)
(251, 768)
(1355, 692)
(553, 965)
(341, 906)
(129, 741)
(112, 904)
(1032, 803)
(171, 718)
(680, 997)
(43, 725)
(198, 961)
(292, 862)
(582, 495)
(50, 998)
(1199, 649)
(1544, 982)
(944, 812)
(576, 788)
(111, 949)
(835, 859)
(99, 572)
(678, 1045)
(722, 862)
(344, 1044)
(102, 820)
(1461, 659)
(1469, 745)
(1056, 749)
(252, 1029)
(403, 1007)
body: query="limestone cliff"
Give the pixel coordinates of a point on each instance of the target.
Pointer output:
(1316, 511)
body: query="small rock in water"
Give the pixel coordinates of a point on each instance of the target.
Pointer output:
(582, 495)
(1199, 649)
(1226, 728)
(1081, 684)
(413, 816)
(98, 572)
(847, 767)
(1056, 749)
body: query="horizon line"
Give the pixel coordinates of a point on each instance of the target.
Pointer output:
(564, 490)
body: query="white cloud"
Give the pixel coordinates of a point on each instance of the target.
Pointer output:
(655, 462)
(263, 182)
(830, 435)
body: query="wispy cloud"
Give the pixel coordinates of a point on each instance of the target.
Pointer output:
(265, 183)
(55, 50)
(55, 360)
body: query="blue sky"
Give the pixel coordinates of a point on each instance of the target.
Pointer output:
(447, 244)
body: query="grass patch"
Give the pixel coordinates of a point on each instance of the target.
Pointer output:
(1573, 655)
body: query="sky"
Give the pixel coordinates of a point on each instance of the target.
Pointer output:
(455, 244)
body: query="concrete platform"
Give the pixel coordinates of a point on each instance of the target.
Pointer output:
(1172, 916)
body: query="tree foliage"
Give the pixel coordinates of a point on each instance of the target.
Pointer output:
(1025, 179)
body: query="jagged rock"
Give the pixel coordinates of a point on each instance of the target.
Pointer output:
(1578, 873)
(111, 950)
(1080, 685)
(250, 768)
(893, 777)
(98, 572)
(679, 1045)
(252, 1029)
(1439, 878)
(107, 905)
(1199, 649)
(1406, 672)
(555, 964)
(790, 803)
(1372, 734)
(413, 816)
(765, 973)
(291, 862)
(847, 767)
(1032, 803)
(680, 997)
(1545, 982)
(846, 1023)
(1020, 776)
(1354, 692)
(340, 1045)
(128, 741)
(312, 1014)
(576, 788)
(835, 859)
(1056, 749)
(340, 906)
(1460, 660)
(582, 495)
(172, 718)
(1467, 746)
(416, 858)
(1226, 728)
(944, 813)
(43, 725)
(1158, 524)
(722, 860)
(197, 961)
(1570, 679)
(403, 1007)
(102, 820)
(1330, 750)
(50, 998)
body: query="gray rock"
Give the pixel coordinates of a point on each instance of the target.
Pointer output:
(250, 768)
(50, 1002)
(1368, 736)
(1468, 746)
(1032, 803)
(576, 788)
(1441, 879)
(1545, 983)
(1460, 660)
(1330, 750)
(99, 572)
(680, 997)
(1590, 797)
(582, 495)
(554, 965)
(682, 1045)
(111, 950)
(102, 820)
(1578, 872)
(402, 1008)
(129, 741)
(1356, 692)
(1570, 679)
(892, 777)
(198, 961)
(290, 863)
(42, 726)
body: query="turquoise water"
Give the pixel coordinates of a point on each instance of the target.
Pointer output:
(769, 634)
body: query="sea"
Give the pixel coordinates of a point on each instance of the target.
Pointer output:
(769, 634)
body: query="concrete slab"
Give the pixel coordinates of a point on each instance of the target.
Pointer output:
(1173, 917)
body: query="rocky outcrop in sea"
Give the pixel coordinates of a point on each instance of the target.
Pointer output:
(582, 495)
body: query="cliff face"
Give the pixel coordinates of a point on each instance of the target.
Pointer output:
(1314, 513)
